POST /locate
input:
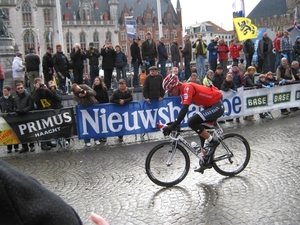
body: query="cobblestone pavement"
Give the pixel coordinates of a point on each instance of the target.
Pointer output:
(111, 180)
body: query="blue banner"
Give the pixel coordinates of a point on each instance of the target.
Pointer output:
(131, 28)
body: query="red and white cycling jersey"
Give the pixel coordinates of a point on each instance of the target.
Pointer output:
(199, 95)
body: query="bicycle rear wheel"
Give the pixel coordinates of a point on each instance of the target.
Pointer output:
(232, 155)
(166, 165)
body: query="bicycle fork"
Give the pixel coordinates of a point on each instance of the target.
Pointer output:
(172, 153)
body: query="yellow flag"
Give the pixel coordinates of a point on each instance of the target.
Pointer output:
(244, 28)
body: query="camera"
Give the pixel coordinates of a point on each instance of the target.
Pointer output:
(80, 91)
(42, 85)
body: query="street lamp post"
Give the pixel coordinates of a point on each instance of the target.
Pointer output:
(127, 52)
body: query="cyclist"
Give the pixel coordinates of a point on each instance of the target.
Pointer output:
(209, 98)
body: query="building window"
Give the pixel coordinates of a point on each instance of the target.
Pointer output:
(148, 19)
(47, 17)
(157, 34)
(6, 13)
(123, 35)
(142, 35)
(49, 38)
(26, 14)
(167, 34)
(108, 36)
(174, 34)
(28, 40)
(82, 40)
(69, 41)
(124, 49)
(96, 40)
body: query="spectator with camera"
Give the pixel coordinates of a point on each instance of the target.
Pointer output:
(78, 56)
(93, 55)
(108, 62)
(61, 65)
(120, 63)
(23, 104)
(43, 98)
(85, 96)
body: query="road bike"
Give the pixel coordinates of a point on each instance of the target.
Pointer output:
(168, 163)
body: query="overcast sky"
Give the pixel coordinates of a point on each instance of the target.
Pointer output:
(217, 11)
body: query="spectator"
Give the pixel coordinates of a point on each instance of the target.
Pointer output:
(61, 65)
(56, 100)
(242, 66)
(228, 84)
(248, 48)
(295, 70)
(85, 96)
(18, 69)
(200, 51)
(296, 48)
(93, 55)
(174, 71)
(7, 106)
(149, 53)
(263, 83)
(120, 63)
(270, 78)
(286, 47)
(238, 77)
(48, 65)
(32, 61)
(143, 76)
(277, 43)
(208, 79)
(175, 56)
(194, 78)
(101, 96)
(264, 51)
(121, 96)
(284, 76)
(78, 56)
(136, 60)
(234, 50)
(249, 77)
(152, 88)
(187, 55)
(108, 61)
(23, 104)
(223, 54)
(219, 77)
(2, 77)
(162, 56)
(213, 53)
(43, 98)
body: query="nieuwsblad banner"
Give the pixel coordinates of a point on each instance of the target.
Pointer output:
(37, 125)
(106, 120)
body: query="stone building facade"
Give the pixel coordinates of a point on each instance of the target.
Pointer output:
(33, 23)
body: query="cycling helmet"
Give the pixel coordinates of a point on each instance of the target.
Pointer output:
(170, 81)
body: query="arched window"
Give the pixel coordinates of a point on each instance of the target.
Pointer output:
(49, 37)
(167, 34)
(96, 40)
(148, 19)
(108, 35)
(26, 14)
(82, 39)
(69, 41)
(28, 40)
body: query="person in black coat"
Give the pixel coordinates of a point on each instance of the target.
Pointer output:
(228, 84)
(61, 65)
(136, 60)
(248, 48)
(219, 77)
(48, 65)
(7, 106)
(162, 57)
(93, 55)
(78, 56)
(108, 61)
(23, 103)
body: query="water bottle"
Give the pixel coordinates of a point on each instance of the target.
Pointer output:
(195, 145)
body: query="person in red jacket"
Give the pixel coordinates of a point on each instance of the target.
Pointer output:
(276, 44)
(223, 54)
(234, 50)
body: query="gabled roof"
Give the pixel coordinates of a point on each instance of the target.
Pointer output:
(267, 8)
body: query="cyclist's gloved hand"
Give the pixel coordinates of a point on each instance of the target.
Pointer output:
(168, 129)
(233, 91)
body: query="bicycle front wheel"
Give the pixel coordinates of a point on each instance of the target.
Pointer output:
(167, 164)
(232, 155)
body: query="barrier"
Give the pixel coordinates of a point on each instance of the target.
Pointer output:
(137, 117)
